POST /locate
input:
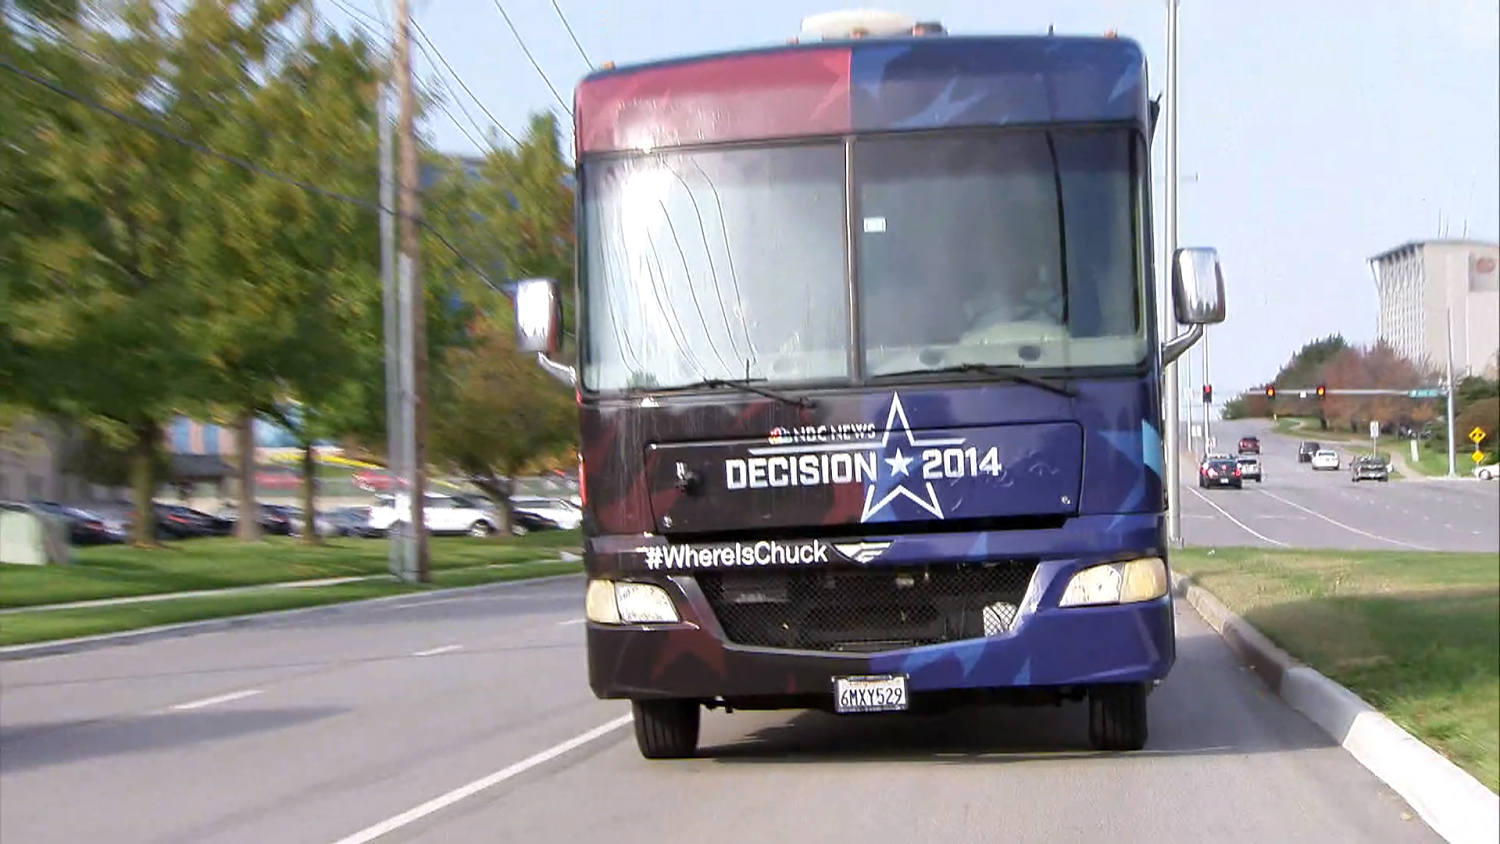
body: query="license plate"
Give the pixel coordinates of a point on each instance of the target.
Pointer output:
(878, 693)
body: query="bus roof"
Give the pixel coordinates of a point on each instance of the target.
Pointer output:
(866, 85)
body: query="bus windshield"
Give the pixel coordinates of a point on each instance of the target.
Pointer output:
(1012, 248)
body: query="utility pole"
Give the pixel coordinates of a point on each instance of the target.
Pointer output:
(413, 335)
(1172, 481)
(396, 556)
(1452, 462)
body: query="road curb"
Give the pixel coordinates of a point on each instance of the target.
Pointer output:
(1456, 805)
(211, 625)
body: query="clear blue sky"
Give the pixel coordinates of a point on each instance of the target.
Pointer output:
(1312, 134)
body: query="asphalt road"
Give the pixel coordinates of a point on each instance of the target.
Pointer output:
(467, 718)
(1298, 507)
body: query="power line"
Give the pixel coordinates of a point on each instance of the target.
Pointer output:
(421, 39)
(564, 18)
(356, 12)
(542, 73)
(459, 79)
(242, 163)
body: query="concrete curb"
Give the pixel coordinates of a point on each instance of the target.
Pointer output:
(1456, 805)
(211, 625)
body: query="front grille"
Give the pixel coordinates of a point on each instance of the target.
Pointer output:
(867, 610)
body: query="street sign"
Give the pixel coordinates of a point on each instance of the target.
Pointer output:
(1425, 393)
(1477, 457)
(1476, 436)
(1301, 394)
(1374, 429)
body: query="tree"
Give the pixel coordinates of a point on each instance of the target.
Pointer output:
(99, 296)
(496, 410)
(1483, 414)
(1376, 367)
(296, 270)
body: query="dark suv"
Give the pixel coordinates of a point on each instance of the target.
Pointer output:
(1306, 450)
(1249, 445)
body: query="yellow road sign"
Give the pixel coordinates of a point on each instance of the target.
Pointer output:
(1477, 457)
(1476, 436)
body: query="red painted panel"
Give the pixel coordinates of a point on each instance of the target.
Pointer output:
(730, 98)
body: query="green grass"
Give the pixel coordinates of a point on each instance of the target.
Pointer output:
(40, 626)
(1415, 634)
(115, 571)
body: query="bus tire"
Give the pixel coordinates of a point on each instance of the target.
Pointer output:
(666, 729)
(1117, 716)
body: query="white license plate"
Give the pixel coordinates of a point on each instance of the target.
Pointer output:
(878, 693)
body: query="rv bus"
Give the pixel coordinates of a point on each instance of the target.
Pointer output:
(869, 378)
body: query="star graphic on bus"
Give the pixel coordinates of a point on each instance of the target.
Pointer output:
(900, 466)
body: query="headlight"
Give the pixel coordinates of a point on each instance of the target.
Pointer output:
(642, 603)
(1117, 583)
(599, 603)
(608, 602)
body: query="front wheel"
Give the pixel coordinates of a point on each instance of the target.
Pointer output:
(666, 729)
(1117, 716)
(480, 529)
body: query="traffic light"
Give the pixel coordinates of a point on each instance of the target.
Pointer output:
(1208, 394)
(1322, 391)
(1270, 391)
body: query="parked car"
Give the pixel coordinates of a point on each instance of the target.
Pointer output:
(560, 511)
(1249, 445)
(176, 521)
(442, 514)
(1369, 468)
(1250, 468)
(523, 522)
(1217, 472)
(1306, 449)
(1487, 472)
(85, 527)
(349, 521)
(1325, 458)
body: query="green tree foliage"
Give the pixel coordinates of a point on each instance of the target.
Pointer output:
(100, 299)
(496, 411)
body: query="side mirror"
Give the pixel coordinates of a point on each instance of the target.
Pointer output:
(1197, 297)
(538, 316)
(1198, 286)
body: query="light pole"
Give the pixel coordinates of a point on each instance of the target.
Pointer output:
(1169, 373)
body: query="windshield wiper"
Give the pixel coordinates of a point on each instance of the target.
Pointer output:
(1009, 373)
(749, 386)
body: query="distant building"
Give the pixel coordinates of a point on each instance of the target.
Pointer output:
(1420, 283)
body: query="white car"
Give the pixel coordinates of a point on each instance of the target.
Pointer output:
(561, 511)
(1487, 472)
(442, 514)
(1249, 467)
(1325, 458)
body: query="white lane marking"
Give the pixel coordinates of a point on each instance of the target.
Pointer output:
(371, 833)
(1225, 513)
(1338, 523)
(210, 701)
(439, 650)
(570, 622)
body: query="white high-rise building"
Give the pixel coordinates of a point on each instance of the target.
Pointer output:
(1421, 282)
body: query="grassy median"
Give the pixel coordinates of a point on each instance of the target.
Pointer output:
(1415, 634)
(116, 571)
(47, 625)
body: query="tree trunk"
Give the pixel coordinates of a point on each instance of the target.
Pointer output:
(248, 527)
(498, 490)
(143, 484)
(309, 496)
